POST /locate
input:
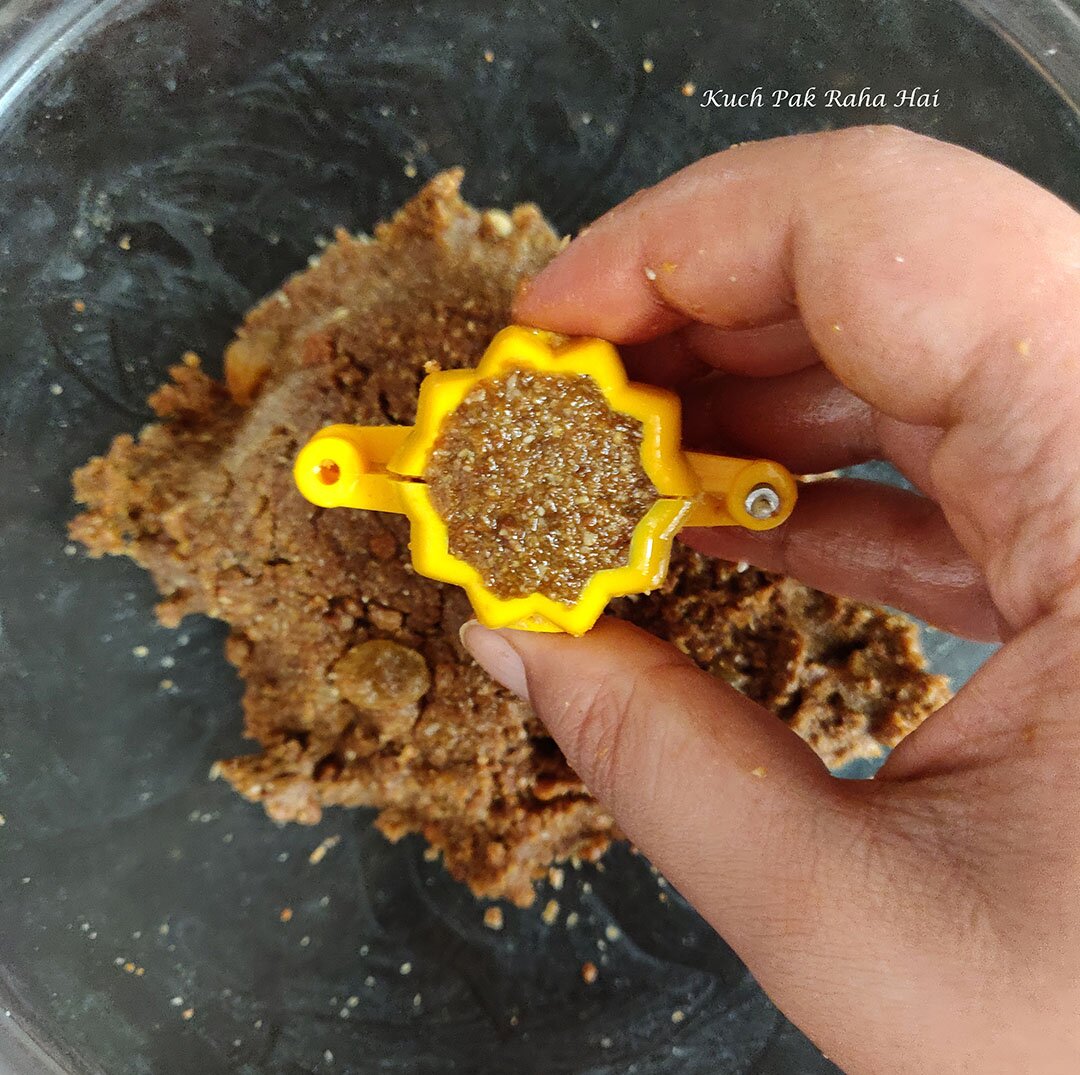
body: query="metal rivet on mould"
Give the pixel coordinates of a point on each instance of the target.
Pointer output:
(762, 502)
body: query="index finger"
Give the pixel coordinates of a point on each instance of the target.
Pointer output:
(939, 286)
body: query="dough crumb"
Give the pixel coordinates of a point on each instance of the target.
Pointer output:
(320, 852)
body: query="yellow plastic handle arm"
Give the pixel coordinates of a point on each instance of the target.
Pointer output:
(757, 494)
(344, 466)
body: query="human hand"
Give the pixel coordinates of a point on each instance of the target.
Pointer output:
(864, 294)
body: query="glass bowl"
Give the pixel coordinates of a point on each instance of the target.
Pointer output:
(169, 164)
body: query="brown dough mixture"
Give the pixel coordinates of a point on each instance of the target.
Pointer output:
(540, 483)
(205, 501)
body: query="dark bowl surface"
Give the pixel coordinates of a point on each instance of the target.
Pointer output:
(168, 164)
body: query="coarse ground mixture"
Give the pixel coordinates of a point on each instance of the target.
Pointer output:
(540, 483)
(204, 499)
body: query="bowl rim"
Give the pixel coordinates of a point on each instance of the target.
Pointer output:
(34, 34)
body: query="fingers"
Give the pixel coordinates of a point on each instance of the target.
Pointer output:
(763, 351)
(874, 543)
(806, 420)
(668, 361)
(1016, 717)
(688, 353)
(935, 307)
(869, 235)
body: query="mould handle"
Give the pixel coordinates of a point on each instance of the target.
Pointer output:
(345, 466)
(757, 494)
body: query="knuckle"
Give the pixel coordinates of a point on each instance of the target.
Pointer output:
(603, 718)
(598, 712)
(886, 140)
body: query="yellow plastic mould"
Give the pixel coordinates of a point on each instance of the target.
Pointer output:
(381, 468)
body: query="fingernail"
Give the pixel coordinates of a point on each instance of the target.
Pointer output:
(495, 656)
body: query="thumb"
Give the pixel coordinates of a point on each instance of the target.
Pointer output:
(718, 792)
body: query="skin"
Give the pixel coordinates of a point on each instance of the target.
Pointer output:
(822, 300)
